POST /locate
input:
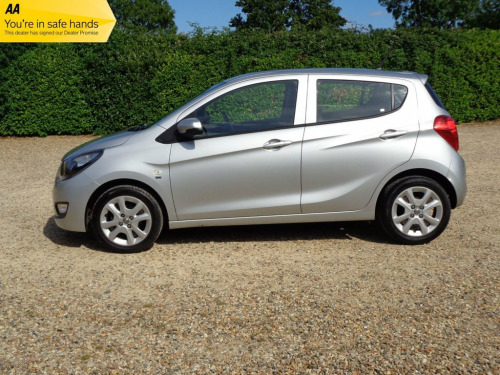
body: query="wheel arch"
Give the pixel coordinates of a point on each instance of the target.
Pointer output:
(439, 178)
(111, 184)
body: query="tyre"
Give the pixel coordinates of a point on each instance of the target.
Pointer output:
(127, 219)
(414, 210)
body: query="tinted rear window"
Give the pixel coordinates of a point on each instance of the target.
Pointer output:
(434, 95)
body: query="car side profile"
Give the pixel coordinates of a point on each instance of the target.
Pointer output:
(289, 146)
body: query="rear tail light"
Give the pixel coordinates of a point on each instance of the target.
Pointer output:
(445, 126)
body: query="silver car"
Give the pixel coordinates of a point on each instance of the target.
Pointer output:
(288, 146)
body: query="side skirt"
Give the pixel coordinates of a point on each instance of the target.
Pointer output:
(277, 219)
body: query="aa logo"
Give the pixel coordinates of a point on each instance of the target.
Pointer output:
(12, 9)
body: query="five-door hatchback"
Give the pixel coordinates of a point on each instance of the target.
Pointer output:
(287, 146)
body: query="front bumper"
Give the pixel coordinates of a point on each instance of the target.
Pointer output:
(75, 191)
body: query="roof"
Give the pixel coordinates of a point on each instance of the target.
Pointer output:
(332, 71)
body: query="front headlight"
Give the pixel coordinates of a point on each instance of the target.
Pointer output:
(75, 164)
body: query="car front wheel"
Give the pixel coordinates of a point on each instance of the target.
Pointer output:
(127, 219)
(414, 210)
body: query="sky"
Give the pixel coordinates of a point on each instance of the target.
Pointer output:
(217, 13)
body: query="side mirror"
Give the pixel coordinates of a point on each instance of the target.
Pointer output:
(190, 127)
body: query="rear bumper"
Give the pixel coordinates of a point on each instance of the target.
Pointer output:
(457, 176)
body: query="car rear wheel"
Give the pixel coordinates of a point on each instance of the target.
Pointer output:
(414, 210)
(127, 219)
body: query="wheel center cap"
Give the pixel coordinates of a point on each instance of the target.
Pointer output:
(417, 212)
(126, 221)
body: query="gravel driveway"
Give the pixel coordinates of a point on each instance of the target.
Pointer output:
(318, 298)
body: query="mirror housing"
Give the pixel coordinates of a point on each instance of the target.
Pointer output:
(190, 127)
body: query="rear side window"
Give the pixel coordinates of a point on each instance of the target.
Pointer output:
(434, 95)
(348, 100)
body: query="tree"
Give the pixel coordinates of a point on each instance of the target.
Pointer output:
(431, 13)
(145, 15)
(275, 15)
(487, 15)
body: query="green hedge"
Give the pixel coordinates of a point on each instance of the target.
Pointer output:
(44, 94)
(139, 78)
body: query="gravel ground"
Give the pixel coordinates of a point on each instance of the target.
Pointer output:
(311, 299)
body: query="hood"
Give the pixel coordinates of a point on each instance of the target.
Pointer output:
(109, 141)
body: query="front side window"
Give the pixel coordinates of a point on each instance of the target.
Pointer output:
(262, 106)
(347, 100)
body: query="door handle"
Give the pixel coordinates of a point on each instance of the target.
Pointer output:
(276, 144)
(391, 134)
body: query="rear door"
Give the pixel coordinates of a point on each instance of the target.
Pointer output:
(359, 130)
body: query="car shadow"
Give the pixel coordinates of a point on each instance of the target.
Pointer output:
(363, 230)
(277, 232)
(69, 239)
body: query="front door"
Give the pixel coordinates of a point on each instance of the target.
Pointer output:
(247, 161)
